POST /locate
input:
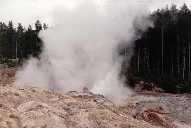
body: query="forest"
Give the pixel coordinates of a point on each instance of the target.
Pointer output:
(162, 55)
(18, 43)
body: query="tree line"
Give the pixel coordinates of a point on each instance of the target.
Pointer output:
(163, 53)
(18, 42)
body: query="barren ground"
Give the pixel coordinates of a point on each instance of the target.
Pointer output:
(40, 108)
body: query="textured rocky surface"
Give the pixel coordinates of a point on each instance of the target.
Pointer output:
(40, 108)
(36, 108)
(167, 110)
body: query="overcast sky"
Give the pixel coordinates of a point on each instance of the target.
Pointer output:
(27, 11)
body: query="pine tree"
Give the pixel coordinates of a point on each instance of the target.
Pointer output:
(38, 26)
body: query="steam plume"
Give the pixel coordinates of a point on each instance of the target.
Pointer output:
(80, 50)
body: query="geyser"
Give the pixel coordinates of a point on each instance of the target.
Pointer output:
(81, 49)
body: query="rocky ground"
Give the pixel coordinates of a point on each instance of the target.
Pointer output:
(40, 108)
(167, 110)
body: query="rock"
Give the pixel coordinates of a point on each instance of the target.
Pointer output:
(42, 109)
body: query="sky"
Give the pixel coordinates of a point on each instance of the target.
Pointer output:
(28, 11)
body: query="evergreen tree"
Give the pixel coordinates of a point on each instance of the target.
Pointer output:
(38, 26)
(163, 53)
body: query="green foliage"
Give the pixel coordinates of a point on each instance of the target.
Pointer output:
(18, 42)
(163, 53)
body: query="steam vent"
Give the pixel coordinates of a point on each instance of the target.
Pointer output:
(95, 64)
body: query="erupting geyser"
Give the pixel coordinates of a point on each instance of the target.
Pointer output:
(80, 50)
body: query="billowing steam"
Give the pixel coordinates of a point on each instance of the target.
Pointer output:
(81, 49)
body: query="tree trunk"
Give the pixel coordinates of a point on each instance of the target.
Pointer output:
(178, 57)
(16, 50)
(184, 64)
(189, 62)
(162, 51)
(138, 60)
(172, 66)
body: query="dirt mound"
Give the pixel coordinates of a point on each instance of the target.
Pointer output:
(38, 108)
(160, 109)
(7, 76)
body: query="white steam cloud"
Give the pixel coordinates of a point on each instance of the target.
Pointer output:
(81, 49)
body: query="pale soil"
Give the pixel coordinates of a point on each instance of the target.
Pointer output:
(36, 108)
(40, 108)
(175, 109)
